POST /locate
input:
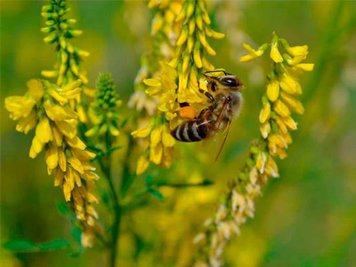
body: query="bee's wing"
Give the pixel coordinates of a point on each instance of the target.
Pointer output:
(217, 125)
(223, 142)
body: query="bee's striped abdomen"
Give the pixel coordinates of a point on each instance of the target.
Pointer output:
(190, 131)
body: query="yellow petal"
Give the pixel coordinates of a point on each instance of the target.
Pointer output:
(297, 50)
(58, 177)
(265, 129)
(77, 179)
(167, 139)
(26, 124)
(275, 54)
(182, 37)
(76, 142)
(36, 147)
(58, 113)
(156, 136)
(282, 127)
(61, 99)
(261, 161)
(293, 103)
(152, 82)
(19, 106)
(281, 108)
(44, 131)
(113, 130)
(68, 184)
(57, 136)
(62, 160)
(156, 154)
(271, 168)
(305, 66)
(51, 158)
(36, 89)
(67, 128)
(291, 124)
(273, 90)
(142, 165)
(265, 112)
(290, 85)
(76, 164)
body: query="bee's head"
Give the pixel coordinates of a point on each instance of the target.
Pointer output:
(231, 81)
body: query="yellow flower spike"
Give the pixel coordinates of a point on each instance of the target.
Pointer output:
(281, 108)
(27, 124)
(142, 165)
(36, 147)
(293, 103)
(273, 90)
(52, 158)
(290, 85)
(265, 112)
(43, 131)
(36, 89)
(265, 129)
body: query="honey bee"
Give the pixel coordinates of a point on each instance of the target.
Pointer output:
(225, 100)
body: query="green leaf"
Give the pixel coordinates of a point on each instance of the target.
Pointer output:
(54, 245)
(62, 208)
(155, 193)
(20, 245)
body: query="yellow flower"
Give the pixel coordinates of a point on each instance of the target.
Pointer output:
(252, 52)
(275, 54)
(273, 90)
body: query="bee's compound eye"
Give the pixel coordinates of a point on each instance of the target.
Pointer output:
(229, 82)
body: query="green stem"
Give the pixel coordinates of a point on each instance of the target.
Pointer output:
(105, 166)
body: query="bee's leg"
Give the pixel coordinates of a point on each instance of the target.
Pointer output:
(210, 97)
(184, 104)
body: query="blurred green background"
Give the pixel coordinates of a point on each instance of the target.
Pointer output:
(305, 218)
